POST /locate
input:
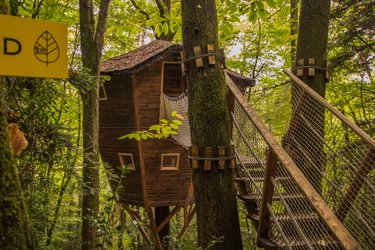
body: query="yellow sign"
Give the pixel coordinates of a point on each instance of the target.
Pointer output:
(33, 48)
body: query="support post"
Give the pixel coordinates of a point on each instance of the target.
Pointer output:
(364, 169)
(268, 189)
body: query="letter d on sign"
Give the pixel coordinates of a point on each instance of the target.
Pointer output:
(11, 46)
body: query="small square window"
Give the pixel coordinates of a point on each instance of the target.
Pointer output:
(102, 93)
(126, 161)
(170, 161)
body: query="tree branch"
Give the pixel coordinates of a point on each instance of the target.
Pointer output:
(147, 15)
(37, 9)
(101, 26)
(160, 7)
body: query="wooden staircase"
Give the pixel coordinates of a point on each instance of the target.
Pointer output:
(275, 183)
(285, 220)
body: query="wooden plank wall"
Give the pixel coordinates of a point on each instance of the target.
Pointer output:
(116, 118)
(168, 187)
(163, 188)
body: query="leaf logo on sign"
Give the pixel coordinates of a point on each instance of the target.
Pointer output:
(46, 49)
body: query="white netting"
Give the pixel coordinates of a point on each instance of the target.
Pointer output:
(180, 105)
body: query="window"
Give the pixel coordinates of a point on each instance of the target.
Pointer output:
(102, 93)
(173, 84)
(170, 161)
(126, 161)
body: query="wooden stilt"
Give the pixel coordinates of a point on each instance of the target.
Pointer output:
(154, 229)
(135, 216)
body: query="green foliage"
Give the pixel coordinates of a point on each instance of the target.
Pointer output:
(158, 131)
(255, 35)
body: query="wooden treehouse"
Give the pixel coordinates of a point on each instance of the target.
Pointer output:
(146, 84)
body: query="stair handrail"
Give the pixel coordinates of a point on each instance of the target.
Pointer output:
(345, 239)
(362, 134)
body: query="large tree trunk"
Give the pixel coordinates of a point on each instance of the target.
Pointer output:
(293, 30)
(91, 46)
(312, 43)
(15, 228)
(214, 190)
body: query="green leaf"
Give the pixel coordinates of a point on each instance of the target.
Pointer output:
(154, 128)
(263, 14)
(123, 137)
(164, 121)
(271, 3)
(174, 126)
(174, 113)
(165, 28)
(178, 122)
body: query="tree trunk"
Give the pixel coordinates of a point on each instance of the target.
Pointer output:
(214, 190)
(15, 228)
(312, 43)
(293, 30)
(91, 46)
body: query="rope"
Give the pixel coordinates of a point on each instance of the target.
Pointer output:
(220, 57)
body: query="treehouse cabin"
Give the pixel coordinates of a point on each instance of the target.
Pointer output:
(152, 169)
(146, 85)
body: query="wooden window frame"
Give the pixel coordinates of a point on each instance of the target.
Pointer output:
(122, 161)
(105, 98)
(162, 168)
(182, 86)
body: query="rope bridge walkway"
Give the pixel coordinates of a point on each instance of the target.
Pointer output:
(313, 187)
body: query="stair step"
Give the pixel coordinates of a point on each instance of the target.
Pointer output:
(285, 217)
(255, 197)
(315, 243)
(254, 171)
(261, 179)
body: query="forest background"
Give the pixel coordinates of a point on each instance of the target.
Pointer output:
(258, 38)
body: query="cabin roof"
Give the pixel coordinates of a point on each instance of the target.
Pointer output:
(140, 58)
(157, 50)
(240, 80)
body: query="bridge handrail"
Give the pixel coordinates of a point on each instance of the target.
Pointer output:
(368, 139)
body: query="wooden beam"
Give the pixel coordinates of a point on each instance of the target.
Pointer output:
(198, 59)
(139, 144)
(188, 219)
(207, 163)
(268, 189)
(170, 215)
(221, 153)
(311, 71)
(154, 229)
(194, 151)
(183, 65)
(232, 162)
(364, 169)
(211, 59)
(134, 215)
(300, 62)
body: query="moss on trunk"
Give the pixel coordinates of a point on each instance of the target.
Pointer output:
(214, 190)
(15, 227)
